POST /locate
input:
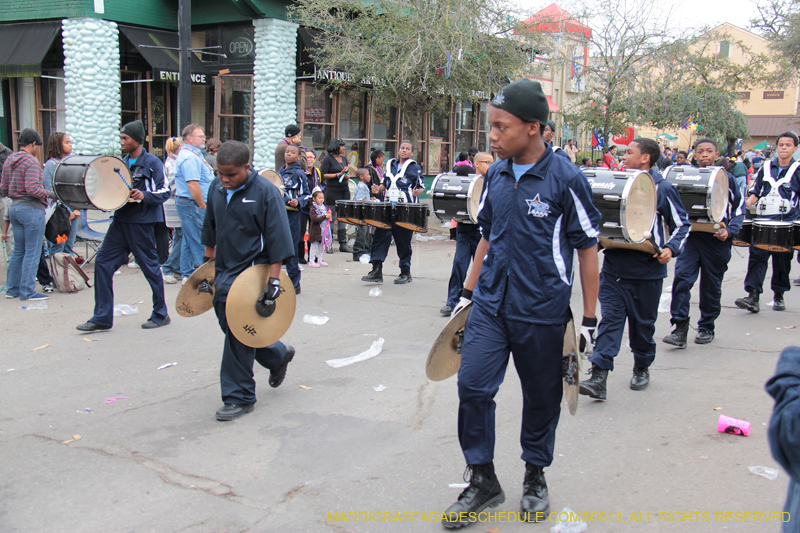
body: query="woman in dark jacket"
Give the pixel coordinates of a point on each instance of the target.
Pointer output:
(375, 169)
(334, 174)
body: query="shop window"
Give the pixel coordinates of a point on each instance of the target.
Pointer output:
(52, 106)
(353, 126)
(465, 126)
(130, 96)
(316, 118)
(23, 104)
(235, 109)
(483, 144)
(439, 147)
(160, 123)
(383, 129)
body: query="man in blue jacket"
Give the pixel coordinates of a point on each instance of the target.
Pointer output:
(132, 230)
(631, 281)
(535, 211)
(709, 252)
(296, 196)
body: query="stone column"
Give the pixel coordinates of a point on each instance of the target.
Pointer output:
(91, 69)
(274, 86)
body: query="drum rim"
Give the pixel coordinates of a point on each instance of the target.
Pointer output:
(624, 201)
(710, 189)
(94, 157)
(774, 223)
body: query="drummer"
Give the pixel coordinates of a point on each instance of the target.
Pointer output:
(403, 182)
(132, 231)
(777, 190)
(709, 252)
(631, 281)
(245, 225)
(296, 196)
(468, 236)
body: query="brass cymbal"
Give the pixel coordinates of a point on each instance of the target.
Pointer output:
(243, 320)
(444, 359)
(275, 179)
(192, 302)
(571, 367)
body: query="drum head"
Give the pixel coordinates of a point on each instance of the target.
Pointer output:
(274, 178)
(104, 187)
(245, 323)
(718, 195)
(474, 198)
(638, 210)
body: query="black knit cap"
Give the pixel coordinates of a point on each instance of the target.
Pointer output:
(552, 125)
(134, 130)
(292, 130)
(524, 99)
(28, 136)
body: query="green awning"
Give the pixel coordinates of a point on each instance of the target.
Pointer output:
(763, 145)
(666, 136)
(23, 47)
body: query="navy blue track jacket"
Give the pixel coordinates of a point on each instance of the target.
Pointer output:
(147, 175)
(533, 227)
(295, 183)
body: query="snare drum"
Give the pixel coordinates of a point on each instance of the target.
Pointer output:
(772, 235)
(378, 214)
(626, 201)
(412, 216)
(91, 182)
(456, 197)
(341, 211)
(703, 191)
(745, 236)
(796, 235)
(353, 212)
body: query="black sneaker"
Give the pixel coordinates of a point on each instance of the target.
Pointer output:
(484, 491)
(48, 288)
(36, 296)
(446, 310)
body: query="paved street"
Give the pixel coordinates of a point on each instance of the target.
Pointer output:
(328, 442)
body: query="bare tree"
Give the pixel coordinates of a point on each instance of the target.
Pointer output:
(779, 21)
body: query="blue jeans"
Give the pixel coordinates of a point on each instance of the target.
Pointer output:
(192, 250)
(173, 264)
(27, 224)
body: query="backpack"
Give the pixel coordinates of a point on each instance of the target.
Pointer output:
(57, 228)
(67, 274)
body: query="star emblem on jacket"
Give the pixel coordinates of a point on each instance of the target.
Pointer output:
(538, 208)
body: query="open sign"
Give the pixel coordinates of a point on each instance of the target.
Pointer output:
(241, 46)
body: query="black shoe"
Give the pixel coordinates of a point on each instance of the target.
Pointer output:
(276, 376)
(704, 337)
(535, 503)
(777, 302)
(678, 335)
(152, 325)
(329, 251)
(749, 302)
(446, 310)
(403, 278)
(344, 247)
(595, 386)
(91, 327)
(356, 257)
(640, 379)
(232, 411)
(302, 260)
(297, 290)
(483, 492)
(376, 275)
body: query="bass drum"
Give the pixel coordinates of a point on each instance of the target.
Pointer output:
(703, 191)
(456, 197)
(412, 216)
(92, 182)
(627, 204)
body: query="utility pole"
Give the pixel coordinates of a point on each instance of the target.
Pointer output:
(184, 65)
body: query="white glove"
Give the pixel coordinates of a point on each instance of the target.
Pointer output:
(464, 300)
(587, 339)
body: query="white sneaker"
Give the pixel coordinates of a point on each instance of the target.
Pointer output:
(133, 264)
(184, 281)
(300, 267)
(169, 278)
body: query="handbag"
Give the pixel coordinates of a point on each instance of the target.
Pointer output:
(57, 228)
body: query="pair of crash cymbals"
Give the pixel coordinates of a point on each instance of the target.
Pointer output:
(197, 295)
(275, 179)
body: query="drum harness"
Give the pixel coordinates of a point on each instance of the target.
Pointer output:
(393, 193)
(773, 203)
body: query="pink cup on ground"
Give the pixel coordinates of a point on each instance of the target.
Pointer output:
(733, 426)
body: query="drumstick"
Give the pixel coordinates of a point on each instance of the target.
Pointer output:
(116, 169)
(650, 237)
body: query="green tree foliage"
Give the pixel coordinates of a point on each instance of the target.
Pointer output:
(417, 54)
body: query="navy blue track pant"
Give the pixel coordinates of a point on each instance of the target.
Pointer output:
(757, 270)
(636, 301)
(402, 240)
(293, 265)
(537, 351)
(236, 373)
(122, 239)
(467, 238)
(702, 252)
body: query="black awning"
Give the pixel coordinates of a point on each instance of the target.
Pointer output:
(164, 60)
(23, 46)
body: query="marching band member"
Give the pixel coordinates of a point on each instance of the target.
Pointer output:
(295, 194)
(536, 210)
(775, 192)
(245, 225)
(132, 231)
(709, 252)
(547, 134)
(402, 182)
(630, 283)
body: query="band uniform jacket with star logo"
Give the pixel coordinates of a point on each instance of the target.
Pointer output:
(533, 226)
